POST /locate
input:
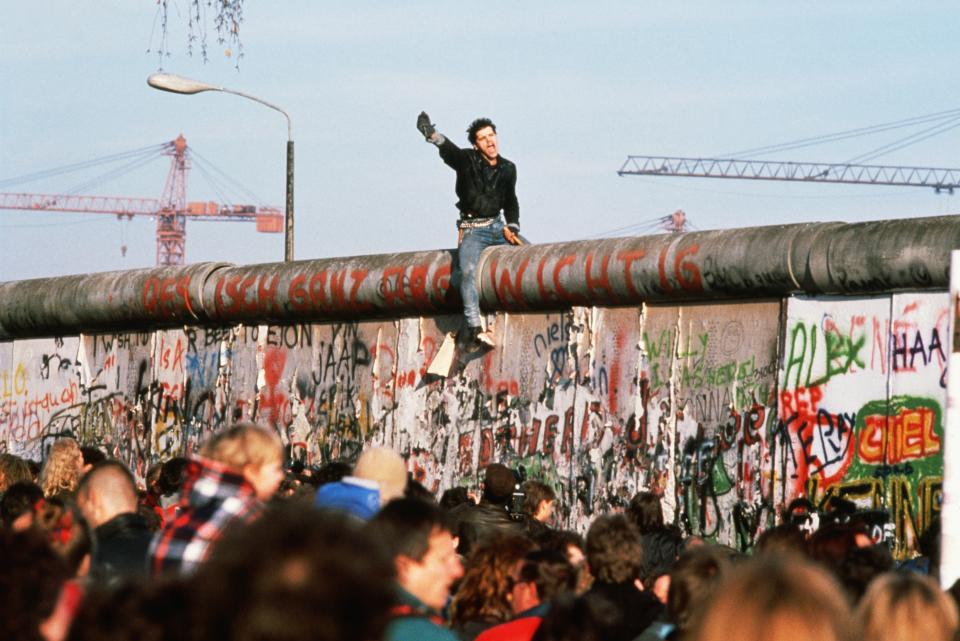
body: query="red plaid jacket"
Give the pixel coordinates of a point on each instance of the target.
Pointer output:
(214, 497)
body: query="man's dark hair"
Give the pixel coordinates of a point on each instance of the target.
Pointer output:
(315, 575)
(533, 493)
(550, 571)
(498, 484)
(831, 543)
(331, 472)
(559, 540)
(404, 527)
(19, 499)
(614, 550)
(171, 475)
(92, 455)
(453, 497)
(476, 126)
(417, 490)
(660, 550)
(860, 566)
(786, 537)
(645, 512)
(693, 578)
(585, 618)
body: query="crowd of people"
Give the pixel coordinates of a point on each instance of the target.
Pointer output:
(230, 544)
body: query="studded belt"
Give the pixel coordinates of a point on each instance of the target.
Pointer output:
(476, 223)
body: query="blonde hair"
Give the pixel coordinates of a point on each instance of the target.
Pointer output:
(13, 469)
(63, 468)
(900, 606)
(242, 445)
(775, 599)
(387, 468)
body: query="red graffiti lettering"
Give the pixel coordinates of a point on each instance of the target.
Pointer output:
(566, 443)
(686, 271)
(544, 294)
(565, 261)
(165, 297)
(418, 286)
(232, 292)
(267, 293)
(465, 453)
(662, 271)
(317, 283)
(297, 293)
(247, 305)
(486, 447)
(149, 295)
(585, 423)
(441, 282)
(392, 289)
(628, 257)
(602, 283)
(550, 433)
(802, 401)
(504, 286)
(337, 292)
(358, 275)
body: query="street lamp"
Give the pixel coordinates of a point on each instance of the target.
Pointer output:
(179, 84)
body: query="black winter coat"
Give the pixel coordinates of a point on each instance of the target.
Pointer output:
(120, 548)
(483, 190)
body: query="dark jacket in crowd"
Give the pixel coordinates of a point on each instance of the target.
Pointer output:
(638, 609)
(476, 524)
(120, 549)
(535, 529)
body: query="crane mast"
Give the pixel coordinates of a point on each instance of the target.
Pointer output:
(171, 223)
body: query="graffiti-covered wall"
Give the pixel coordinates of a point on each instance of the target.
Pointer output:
(861, 406)
(730, 409)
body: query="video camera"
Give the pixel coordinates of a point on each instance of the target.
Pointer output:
(517, 499)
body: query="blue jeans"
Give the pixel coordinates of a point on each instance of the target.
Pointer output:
(474, 241)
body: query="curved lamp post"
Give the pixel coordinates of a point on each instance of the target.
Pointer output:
(179, 84)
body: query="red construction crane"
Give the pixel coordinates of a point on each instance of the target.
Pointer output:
(171, 210)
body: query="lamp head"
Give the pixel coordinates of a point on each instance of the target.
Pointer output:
(178, 84)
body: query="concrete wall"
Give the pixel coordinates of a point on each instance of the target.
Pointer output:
(732, 409)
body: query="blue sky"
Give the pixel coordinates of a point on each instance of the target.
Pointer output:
(574, 88)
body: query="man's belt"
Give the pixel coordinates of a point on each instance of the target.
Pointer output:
(467, 222)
